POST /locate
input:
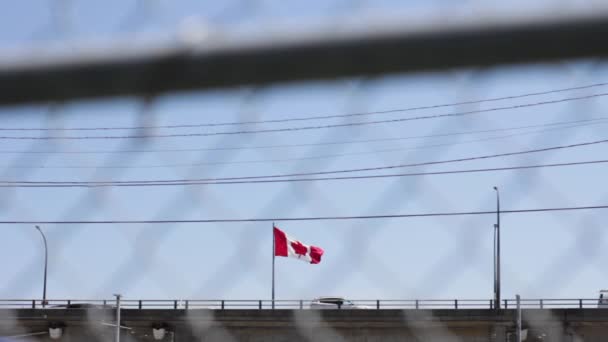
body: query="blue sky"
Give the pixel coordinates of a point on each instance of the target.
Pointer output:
(544, 255)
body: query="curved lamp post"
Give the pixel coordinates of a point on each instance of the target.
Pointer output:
(46, 257)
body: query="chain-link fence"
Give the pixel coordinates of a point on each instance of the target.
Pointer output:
(156, 144)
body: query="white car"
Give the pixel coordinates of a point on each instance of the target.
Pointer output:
(332, 303)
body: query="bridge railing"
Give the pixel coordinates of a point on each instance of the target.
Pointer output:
(264, 304)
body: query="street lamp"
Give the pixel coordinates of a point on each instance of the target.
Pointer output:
(117, 335)
(46, 258)
(497, 252)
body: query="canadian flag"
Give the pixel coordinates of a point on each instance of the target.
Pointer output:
(286, 246)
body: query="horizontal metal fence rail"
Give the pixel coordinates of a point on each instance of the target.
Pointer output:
(264, 304)
(121, 69)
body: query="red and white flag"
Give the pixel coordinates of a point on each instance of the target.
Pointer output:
(286, 246)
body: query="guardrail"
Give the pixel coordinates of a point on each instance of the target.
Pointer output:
(218, 304)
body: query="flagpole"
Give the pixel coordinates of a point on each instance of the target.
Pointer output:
(273, 250)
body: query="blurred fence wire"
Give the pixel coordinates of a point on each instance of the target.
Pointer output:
(157, 149)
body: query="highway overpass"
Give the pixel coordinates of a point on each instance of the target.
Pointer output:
(463, 325)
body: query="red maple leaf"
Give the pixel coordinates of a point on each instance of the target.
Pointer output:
(299, 248)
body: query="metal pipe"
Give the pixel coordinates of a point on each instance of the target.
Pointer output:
(117, 317)
(46, 258)
(495, 300)
(132, 69)
(273, 258)
(497, 246)
(518, 322)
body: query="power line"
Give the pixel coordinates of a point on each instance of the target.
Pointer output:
(27, 184)
(314, 218)
(303, 128)
(436, 173)
(568, 124)
(268, 161)
(376, 168)
(308, 118)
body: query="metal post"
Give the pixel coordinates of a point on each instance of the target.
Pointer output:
(46, 258)
(496, 302)
(497, 265)
(117, 317)
(273, 257)
(518, 331)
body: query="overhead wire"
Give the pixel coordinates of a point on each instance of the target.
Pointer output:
(448, 161)
(310, 218)
(314, 117)
(303, 128)
(42, 184)
(303, 174)
(568, 124)
(268, 161)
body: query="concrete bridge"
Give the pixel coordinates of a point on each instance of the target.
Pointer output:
(180, 325)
